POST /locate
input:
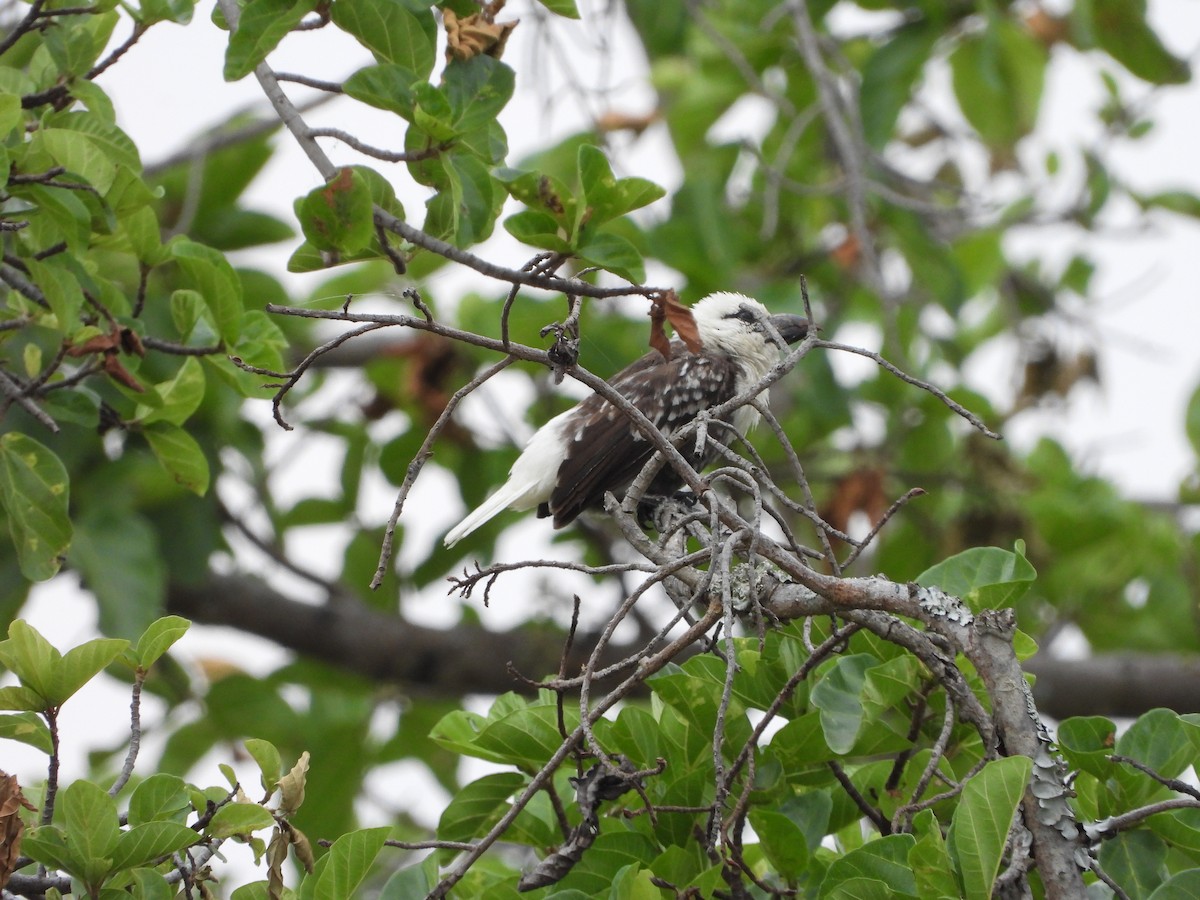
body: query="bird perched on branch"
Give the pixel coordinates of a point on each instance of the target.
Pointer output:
(573, 460)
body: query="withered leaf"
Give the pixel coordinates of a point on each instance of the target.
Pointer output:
(11, 826)
(682, 321)
(477, 34)
(116, 370)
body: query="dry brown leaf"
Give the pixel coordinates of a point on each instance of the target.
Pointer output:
(11, 826)
(476, 35)
(859, 491)
(682, 321)
(619, 121)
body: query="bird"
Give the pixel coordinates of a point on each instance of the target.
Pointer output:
(577, 457)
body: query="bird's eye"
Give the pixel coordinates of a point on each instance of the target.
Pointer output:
(745, 314)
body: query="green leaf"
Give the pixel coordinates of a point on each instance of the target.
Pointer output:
(338, 216)
(884, 860)
(23, 698)
(77, 153)
(1121, 29)
(565, 8)
(1185, 203)
(117, 552)
(537, 229)
(261, 26)
(348, 862)
(998, 76)
(1182, 886)
(980, 825)
(984, 577)
(160, 798)
(175, 400)
(270, 764)
(81, 664)
(890, 78)
(1087, 742)
(239, 818)
(142, 844)
(178, 453)
(31, 658)
(604, 196)
(1192, 420)
(211, 274)
(89, 822)
(34, 494)
(782, 841)
(930, 861)
(613, 252)
(28, 728)
(48, 846)
(395, 31)
(477, 89)
(1136, 860)
(478, 806)
(838, 695)
(1160, 739)
(158, 638)
(385, 86)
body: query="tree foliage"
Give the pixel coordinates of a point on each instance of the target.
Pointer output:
(810, 682)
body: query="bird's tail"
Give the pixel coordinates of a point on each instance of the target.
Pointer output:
(490, 508)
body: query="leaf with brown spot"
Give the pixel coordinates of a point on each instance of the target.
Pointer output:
(859, 491)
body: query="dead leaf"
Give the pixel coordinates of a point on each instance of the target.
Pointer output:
(682, 321)
(11, 826)
(478, 34)
(658, 335)
(619, 121)
(858, 491)
(116, 370)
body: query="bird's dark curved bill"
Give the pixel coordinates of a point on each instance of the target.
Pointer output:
(791, 328)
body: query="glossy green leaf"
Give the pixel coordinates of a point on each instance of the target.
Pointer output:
(385, 86)
(81, 664)
(178, 453)
(34, 495)
(239, 818)
(979, 828)
(985, 577)
(838, 696)
(89, 821)
(782, 841)
(143, 844)
(211, 274)
(884, 860)
(395, 31)
(478, 806)
(28, 728)
(1087, 742)
(348, 862)
(1135, 860)
(160, 798)
(159, 637)
(930, 860)
(270, 764)
(260, 27)
(1183, 886)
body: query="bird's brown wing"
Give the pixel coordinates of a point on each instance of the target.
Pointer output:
(605, 451)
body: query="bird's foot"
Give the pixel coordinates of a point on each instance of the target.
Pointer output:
(659, 511)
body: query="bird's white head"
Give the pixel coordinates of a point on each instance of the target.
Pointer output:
(736, 325)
